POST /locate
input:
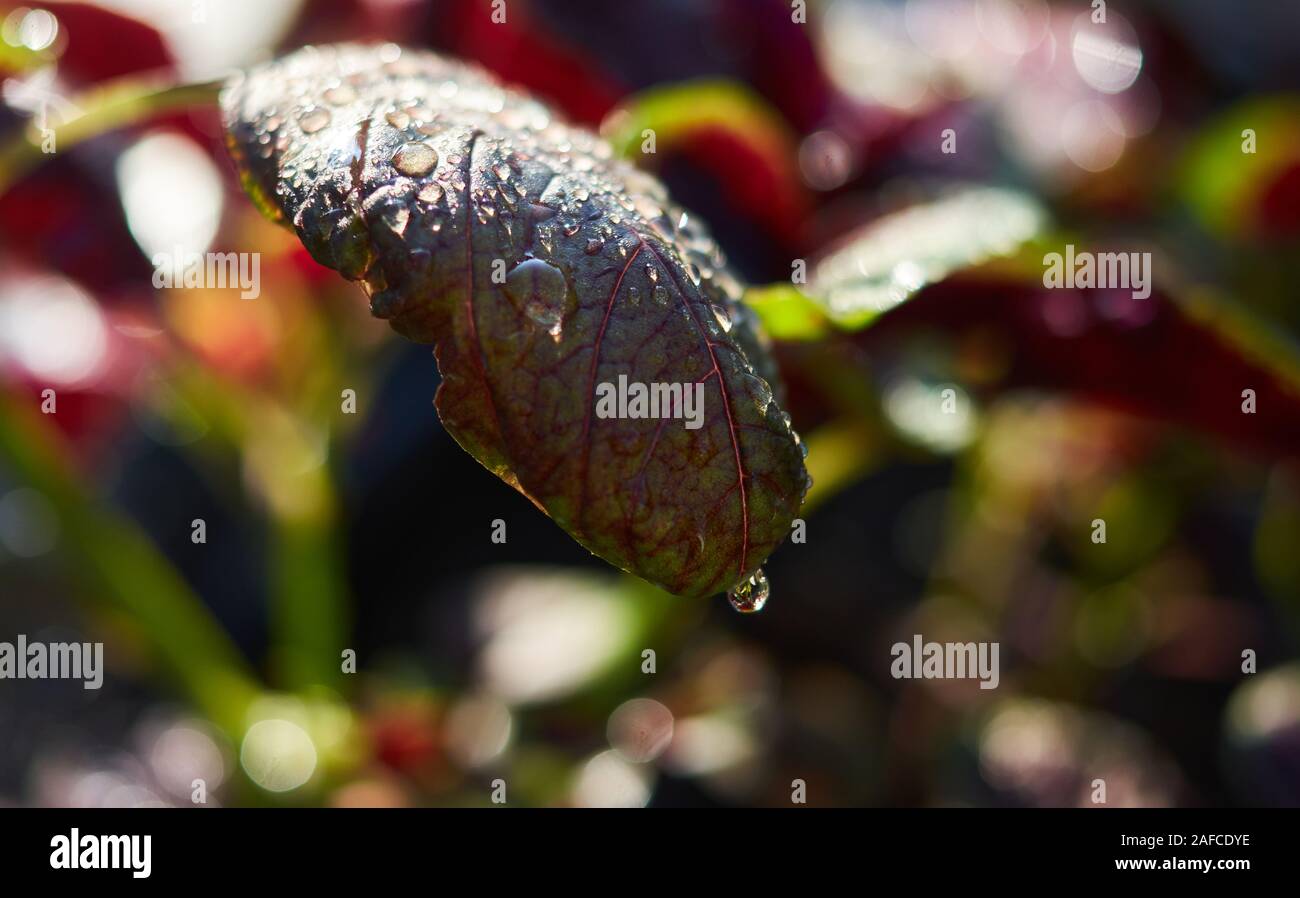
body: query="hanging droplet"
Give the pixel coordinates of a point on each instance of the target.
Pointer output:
(750, 595)
(723, 317)
(313, 120)
(415, 159)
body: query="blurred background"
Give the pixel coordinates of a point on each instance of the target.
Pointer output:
(532, 664)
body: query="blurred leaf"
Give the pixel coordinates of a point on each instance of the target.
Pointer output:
(884, 263)
(732, 130)
(525, 49)
(965, 272)
(787, 313)
(1247, 195)
(541, 268)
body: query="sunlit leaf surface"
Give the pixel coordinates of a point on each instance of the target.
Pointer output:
(541, 268)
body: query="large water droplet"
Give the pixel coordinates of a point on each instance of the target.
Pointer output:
(341, 95)
(540, 289)
(749, 596)
(723, 317)
(313, 120)
(415, 160)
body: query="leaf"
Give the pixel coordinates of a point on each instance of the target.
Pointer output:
(968, 269)
(732, 132)
(541, 268)
(1247, 195)
(879, 266)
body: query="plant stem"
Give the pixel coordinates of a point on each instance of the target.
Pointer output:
(121, 565)
(115, 104)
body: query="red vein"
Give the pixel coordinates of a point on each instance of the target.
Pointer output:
(726, 405)
(585, 441)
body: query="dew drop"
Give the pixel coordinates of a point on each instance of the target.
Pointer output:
(396, 218)
(341, 95)
(540, 289)
(415, 159)
(313, 120)
(723, 317)
(398, 119)
(593, 246)
(750, 595)
(430, 193)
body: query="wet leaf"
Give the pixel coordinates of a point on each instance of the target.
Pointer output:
(541, 268)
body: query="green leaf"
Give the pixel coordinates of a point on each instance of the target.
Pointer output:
(543, 270)
(886, 262)
(967, 268)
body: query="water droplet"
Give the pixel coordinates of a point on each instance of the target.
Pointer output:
(543, 293)
(502, 171)
(661, 294)
(398, 119)
(415, 159)
(395, 219)
(340, 95)
(593, 246)
(430, 193)
(723, 317)
(313, 120)
(750, 595)
(652, 273)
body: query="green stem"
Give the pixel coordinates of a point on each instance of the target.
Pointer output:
(308, 595)
(113, 105)
(121, 565)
